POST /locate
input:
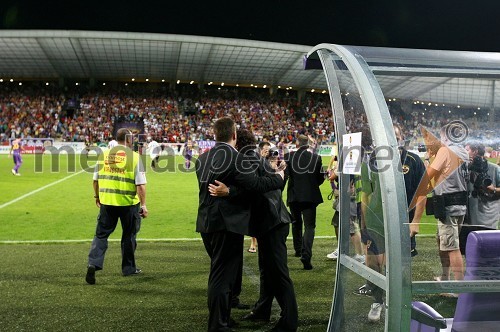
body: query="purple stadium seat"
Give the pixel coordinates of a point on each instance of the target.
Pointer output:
(480, 311)
(474, 311)
(425, 319)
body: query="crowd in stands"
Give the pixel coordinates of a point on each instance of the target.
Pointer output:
(178, 116)
(169, 116)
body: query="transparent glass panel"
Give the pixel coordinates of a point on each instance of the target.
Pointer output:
(361, 218)
(441, 104)
(357, 307)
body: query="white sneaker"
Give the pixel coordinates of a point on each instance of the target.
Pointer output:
(334, 255)
(360, 258)
(375, 311)
(18, 174)
(13, 172)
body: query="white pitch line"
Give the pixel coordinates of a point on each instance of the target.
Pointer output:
(90, 240)
(148, 240)
(38, 190)
(181, 239)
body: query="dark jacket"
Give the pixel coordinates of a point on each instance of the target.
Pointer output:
(268, 209)
(225, 164)
(304, 175)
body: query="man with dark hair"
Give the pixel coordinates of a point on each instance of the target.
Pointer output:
(304, 176)
(120, 193)
(270, 224)
(413, 170)
(264, 148)
(483, 211)
(223, 222)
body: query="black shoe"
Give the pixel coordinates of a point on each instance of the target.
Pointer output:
(232, 323)
(90, 277)
(256, 317)
(137, 271)
(307, 264)
(240, 306)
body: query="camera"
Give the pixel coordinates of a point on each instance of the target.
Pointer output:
(479, 175)
(274, 153)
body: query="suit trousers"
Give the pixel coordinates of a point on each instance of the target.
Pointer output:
(275, 279)
(225, 250)
(106, 224)
(303, 212)
(235, 296)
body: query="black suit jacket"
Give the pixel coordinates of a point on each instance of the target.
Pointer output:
(232, 214)
(268, 209)
(304, 176)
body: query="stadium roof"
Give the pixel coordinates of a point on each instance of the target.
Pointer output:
(451, 77)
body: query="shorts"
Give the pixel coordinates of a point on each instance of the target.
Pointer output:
(377, 242)
(448, 232)
(353, 222)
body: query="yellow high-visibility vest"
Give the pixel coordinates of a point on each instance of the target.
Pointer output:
(116, 176)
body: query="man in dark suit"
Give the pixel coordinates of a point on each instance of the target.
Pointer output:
(275, 281)
(270, 224)
(304, 175)
(222, 222)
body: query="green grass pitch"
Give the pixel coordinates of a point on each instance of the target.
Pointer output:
(43, 287)
(66, 210)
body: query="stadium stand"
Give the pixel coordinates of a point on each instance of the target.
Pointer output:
(174, 116)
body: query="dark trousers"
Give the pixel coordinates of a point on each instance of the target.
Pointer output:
(464, 232)
(106, 224)
(275, 280)
(235, 296)
(226, 252)
(303, 213)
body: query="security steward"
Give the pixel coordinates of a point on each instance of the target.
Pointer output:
(120, 192)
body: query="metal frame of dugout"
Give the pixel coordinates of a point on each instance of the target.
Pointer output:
(365, 64)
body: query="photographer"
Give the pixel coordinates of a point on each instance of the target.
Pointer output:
(483, 212)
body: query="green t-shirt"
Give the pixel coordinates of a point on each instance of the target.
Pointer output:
(370, 185)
